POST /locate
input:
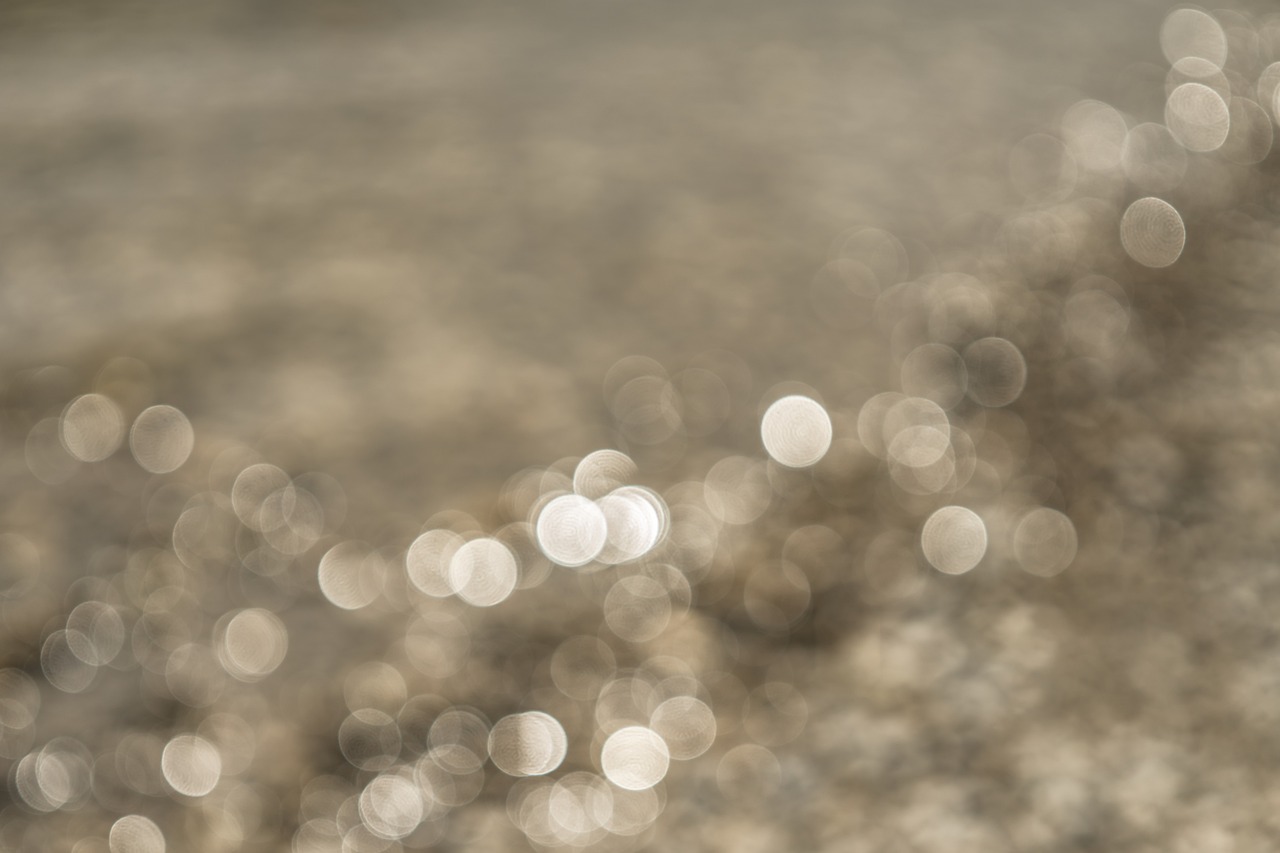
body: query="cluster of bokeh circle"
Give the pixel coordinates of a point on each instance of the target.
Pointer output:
(584, 758)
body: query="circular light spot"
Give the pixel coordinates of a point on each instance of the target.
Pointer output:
(1095, 133)
(647, 409)
(580, 805)
(871, 422)
(1095, 320)
(686, 724)
(878, 250)
(1193, 69)
(459, 741)
(253, 644)
(635, 519)
(427, 561)
(92, 428)
(1152, 232)
(161, 439)
(369, 739)
(351, 575)
(637, 608)
(954, 540)
(635, 758)
(1044, 542)
(634, 811)
(95, 632)
(391, 806)
(601, 472)
(748, 771)
(135, 834)
(374, 684)
(56, 777)
(1197, 117)
(483, 572)
(528, 744)
(796, 431)
(572, 530)
(919, 446)
(63, 667)
(249, 494)
(1191, 32)
(191, 765)
(935, 372)
(737, 490)
(997, 372)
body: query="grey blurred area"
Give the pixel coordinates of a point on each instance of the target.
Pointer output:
(410, 257)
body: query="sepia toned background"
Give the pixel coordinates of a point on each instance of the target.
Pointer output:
(422, 258)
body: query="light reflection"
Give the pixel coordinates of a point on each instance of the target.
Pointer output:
(1192, 32)
(369, 739)
(602, 471)
(253, 644)
(749, 772)
(796, 431)
(161, 439)
(459, 741)
(428, 559)
(1152, 232)
(191, 765)
(135, 834)
(483, 572)
(686, 724)
(954, 540)
(95, 633)
(997, 372)
(201, 588)
(635, 758)
(92, 428)
(737, 490)
(251, 490)
(527, 744)
(63, 668)
(391, 806)
(637, 609)
(1095, 133)
(351, 575)
(1198, 117)
(1044, 542)
(572, 530)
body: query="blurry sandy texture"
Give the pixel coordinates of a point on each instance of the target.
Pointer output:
(404, 243)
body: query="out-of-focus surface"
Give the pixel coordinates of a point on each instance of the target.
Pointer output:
(935, 349)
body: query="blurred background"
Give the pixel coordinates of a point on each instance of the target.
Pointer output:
(937, 506)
